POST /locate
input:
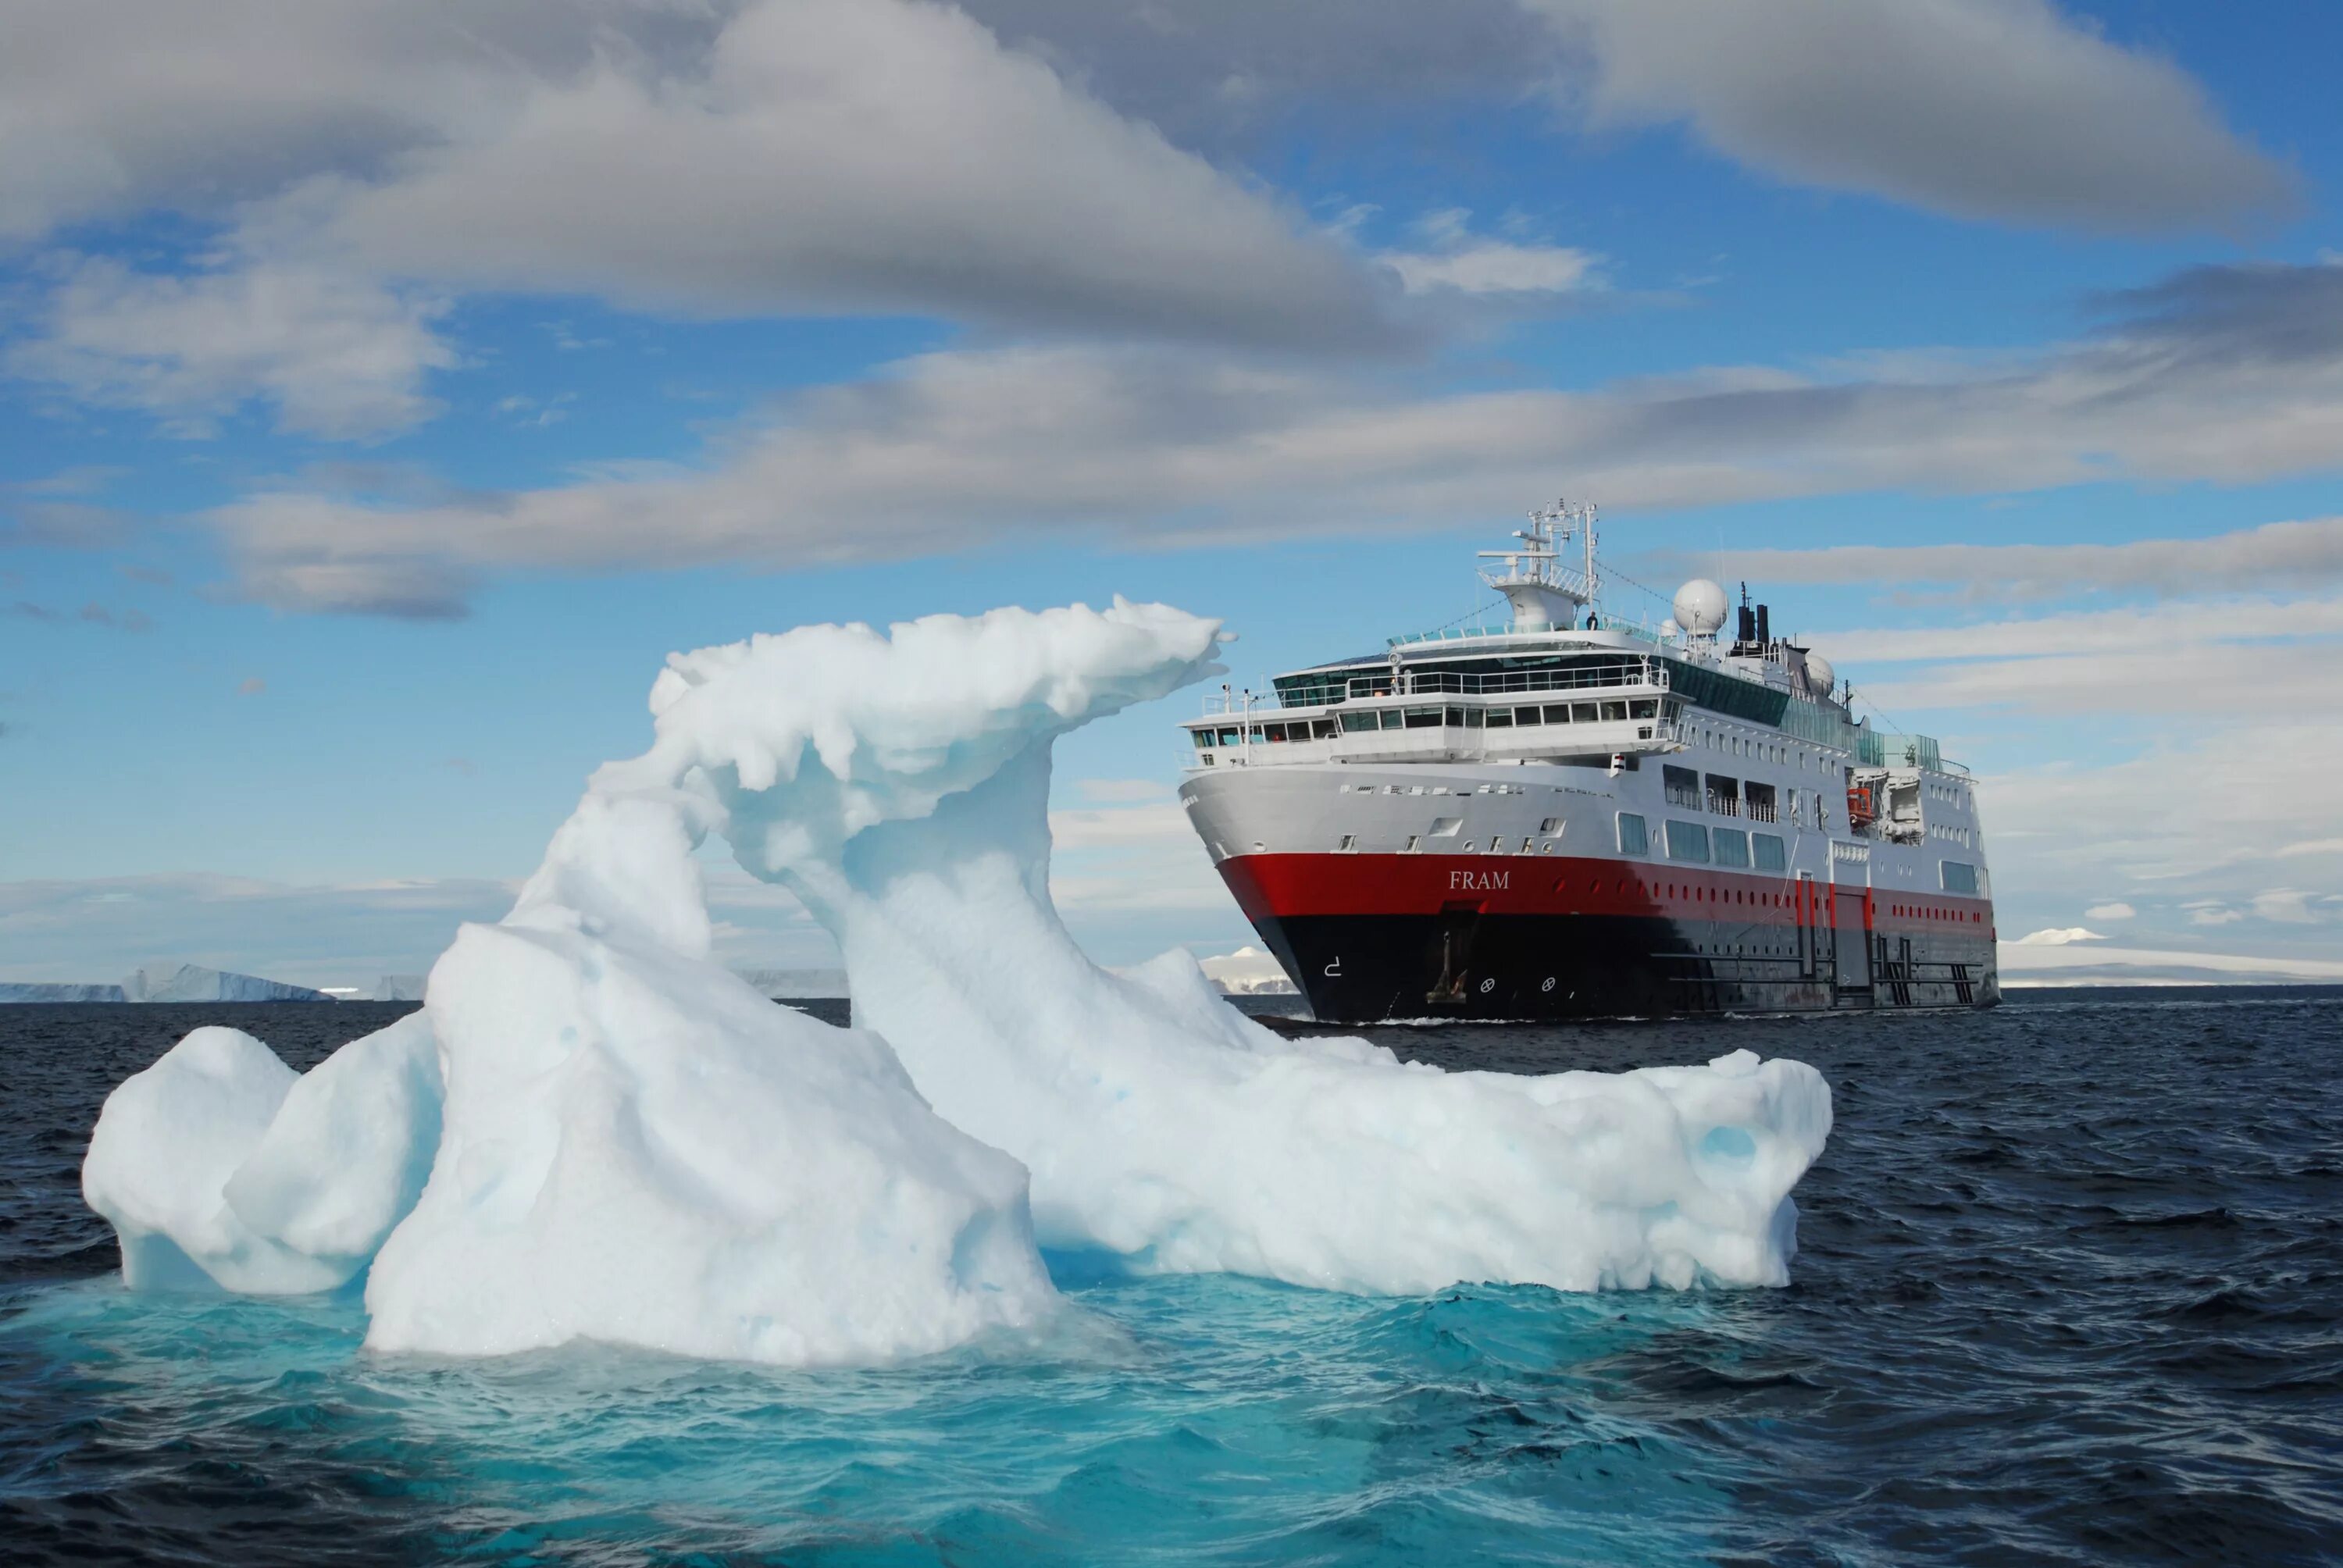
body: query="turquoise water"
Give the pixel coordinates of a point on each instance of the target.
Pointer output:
(1172, 1420)
(2069, 1291)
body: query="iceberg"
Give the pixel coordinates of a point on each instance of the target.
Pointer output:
(56, 991)
(193, 982)
(221, 1166)
(899, 786)
(592, 1131)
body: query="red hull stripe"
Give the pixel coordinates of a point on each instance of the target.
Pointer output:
(1286, 886)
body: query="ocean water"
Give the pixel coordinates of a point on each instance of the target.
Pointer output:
(2071, 1290)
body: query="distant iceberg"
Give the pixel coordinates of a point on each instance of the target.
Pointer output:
(193, 982)
(397, 988)
(165, 983)
(46, 991)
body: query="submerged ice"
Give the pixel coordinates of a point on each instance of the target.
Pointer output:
(593, 1131)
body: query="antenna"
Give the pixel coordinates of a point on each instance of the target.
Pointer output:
(1543, 592)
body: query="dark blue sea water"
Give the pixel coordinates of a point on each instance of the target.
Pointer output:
(2071, 1290)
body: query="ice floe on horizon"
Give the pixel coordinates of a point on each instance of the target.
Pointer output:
(620, 1141)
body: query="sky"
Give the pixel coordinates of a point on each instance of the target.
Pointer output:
(387, 386)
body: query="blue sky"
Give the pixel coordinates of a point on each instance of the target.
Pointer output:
(385, 391)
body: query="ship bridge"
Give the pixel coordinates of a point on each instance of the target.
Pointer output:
(1563, 682)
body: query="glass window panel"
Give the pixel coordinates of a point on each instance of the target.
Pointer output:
(1688, 841)
(1634, 838)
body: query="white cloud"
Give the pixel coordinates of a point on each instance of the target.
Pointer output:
(734, 156)
(2117, 910)
(1981, 108)
(2219, 657)
(337, 355)
(1993, 108)
(1462, 262)
(99, 929)
(2213, 376)
(2284, 555)
(2294, 906)
(2214, 915)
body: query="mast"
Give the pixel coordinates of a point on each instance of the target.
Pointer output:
(1544, 593)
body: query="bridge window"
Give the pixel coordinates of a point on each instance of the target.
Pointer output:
(1456, 717)
(1203, 737)
(1644, 707)
(1501, 718)
(1614, 711)
(1585, 713)
(1688, 841)
(1633, 839)
(1525, 716)
(1557, 713)
(1422, 718)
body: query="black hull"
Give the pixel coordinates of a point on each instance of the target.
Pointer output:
(1361, 969)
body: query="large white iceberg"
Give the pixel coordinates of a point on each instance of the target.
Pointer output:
(593, 1131)
(900, 786)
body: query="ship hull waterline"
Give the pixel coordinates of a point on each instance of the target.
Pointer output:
(1790, 949)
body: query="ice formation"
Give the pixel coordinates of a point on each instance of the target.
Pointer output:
(898, 785)
(219, 1163)
(641, 1149)
(592, 1131)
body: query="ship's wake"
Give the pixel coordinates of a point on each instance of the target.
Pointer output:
(595, 1131)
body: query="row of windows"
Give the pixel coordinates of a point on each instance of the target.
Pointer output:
(1931, 912)
(1357, 720)
(1701, 845)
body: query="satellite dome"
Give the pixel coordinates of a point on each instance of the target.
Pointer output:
(1820, 676)
(1700, 606)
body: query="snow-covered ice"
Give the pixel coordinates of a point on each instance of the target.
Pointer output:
(900, 786)
(219, 1165)
(641, 1149)
(593, 1131)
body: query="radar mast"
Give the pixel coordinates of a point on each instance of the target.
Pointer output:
(1544, 593)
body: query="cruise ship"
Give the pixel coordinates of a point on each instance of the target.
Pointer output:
(1566, 815)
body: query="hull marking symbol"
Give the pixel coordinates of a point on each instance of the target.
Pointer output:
(1548, 985)
(1478, 882)
(1488, 985)
(1335, 970)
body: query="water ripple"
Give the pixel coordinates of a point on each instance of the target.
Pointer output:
(2068, 1294)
